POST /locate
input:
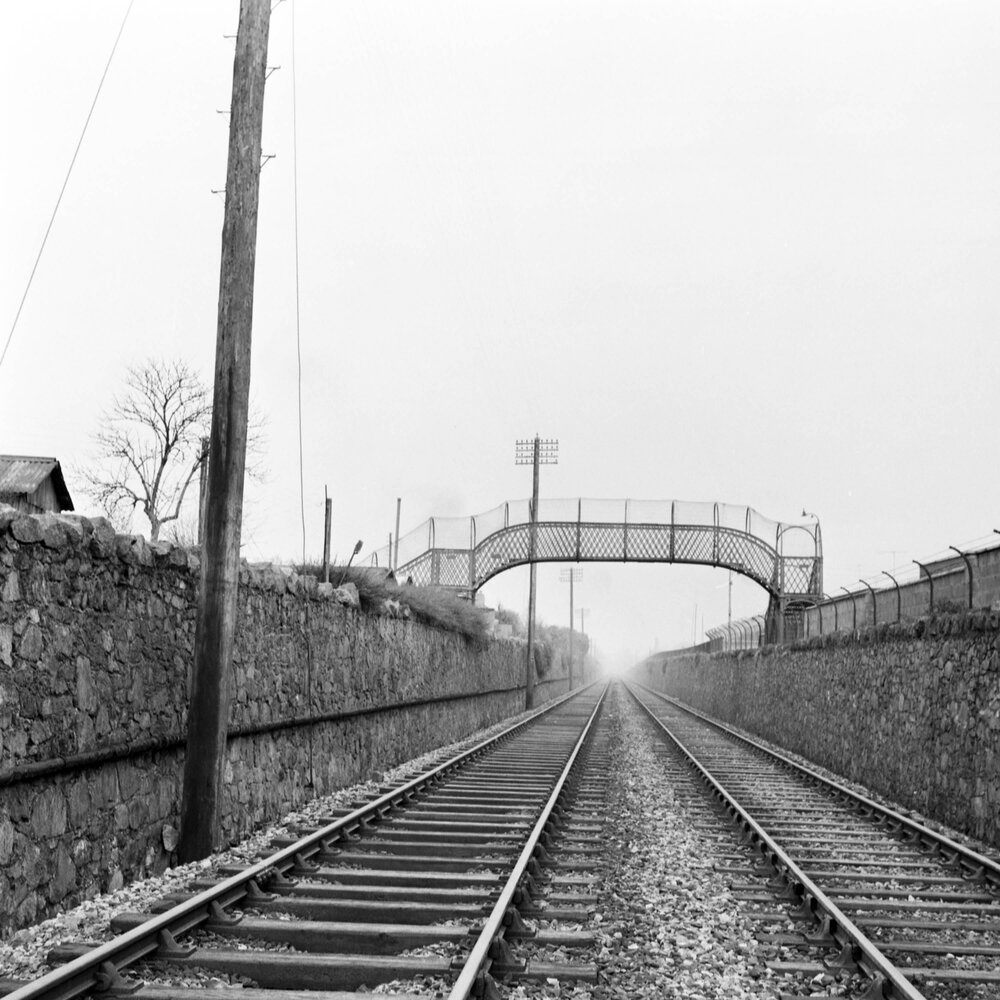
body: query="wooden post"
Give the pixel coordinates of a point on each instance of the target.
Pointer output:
(208, 712)
(327, 518)
(202, 490)
(394, 556)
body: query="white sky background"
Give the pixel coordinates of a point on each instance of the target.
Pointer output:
(743, 252)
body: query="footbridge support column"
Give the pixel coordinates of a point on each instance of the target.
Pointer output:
(774, 621)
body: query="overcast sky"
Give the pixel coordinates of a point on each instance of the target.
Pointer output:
(738, 251)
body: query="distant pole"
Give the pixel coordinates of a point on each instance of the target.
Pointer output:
(536, 452)
(395, 555)
(202, 490)
(570, 679)
(327, 519)
(571, 576)
(208, 712)
(583, 665)
(529, 670)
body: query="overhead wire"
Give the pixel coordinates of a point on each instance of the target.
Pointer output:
(298, 325)
(62, 190)
(298, 355)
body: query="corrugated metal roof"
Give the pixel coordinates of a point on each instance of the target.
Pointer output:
(25, 473)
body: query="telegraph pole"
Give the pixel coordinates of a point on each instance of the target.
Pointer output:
(327, 519)
(394, 556)
(208, 713)
(571, 576)
(537, 452)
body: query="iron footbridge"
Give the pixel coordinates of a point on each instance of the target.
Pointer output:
(463, 553)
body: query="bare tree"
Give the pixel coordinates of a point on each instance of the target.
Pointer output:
(150, 443)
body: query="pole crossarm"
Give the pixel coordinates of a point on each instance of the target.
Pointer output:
(786, 559)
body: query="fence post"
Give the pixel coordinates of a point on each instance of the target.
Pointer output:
(874, 602)
(673, 529)
(579, 518)
(715, 534)
(472, 558)
(930, 581)
(854, 607)
(968, 566)
(625, 535)
(899, 599)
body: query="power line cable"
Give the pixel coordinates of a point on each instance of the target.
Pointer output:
(62, 190)
(298, 354)
(298, 329)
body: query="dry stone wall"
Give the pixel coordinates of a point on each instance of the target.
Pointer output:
(96, 640)
(912, 710)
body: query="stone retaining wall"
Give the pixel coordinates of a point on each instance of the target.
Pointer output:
(912, 711)
(96, 639)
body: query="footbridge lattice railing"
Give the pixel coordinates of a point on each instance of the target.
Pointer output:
(785, 558)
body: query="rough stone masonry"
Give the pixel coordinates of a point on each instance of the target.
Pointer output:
(910, 710)
(96, 639)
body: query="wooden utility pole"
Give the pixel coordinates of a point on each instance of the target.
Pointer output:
(529, 669)
(394, 556)
(202, 490)
(571, 576)
(534, 452)
(327, 518)
(208, 714)
(571, 582)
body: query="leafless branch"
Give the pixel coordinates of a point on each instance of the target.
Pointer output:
(149, 445)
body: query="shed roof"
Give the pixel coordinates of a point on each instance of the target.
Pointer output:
(23, 474)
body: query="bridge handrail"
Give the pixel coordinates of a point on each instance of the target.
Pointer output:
(464, 533)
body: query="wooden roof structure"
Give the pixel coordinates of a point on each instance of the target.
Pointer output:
(25, 476)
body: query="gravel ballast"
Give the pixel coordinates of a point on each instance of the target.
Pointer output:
(670, 926)
(665, 923)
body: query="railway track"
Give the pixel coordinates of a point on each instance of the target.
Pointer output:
(841, 887)
(458, 878)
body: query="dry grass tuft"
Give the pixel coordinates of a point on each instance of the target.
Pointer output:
(429, 605)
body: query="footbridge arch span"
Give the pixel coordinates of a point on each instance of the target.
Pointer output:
(463, 553)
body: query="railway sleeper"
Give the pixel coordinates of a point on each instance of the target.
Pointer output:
(387, 938)
(314, 971)
(914, 973)
(250, 993)
(921, 898)
(402, 911)
(425, 880)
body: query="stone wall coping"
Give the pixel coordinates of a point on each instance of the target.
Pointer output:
(926, 627)
(74, 533)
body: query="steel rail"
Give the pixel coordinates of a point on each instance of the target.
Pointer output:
(479, 954)
(863, 951)
(88, 971)
(976, 863)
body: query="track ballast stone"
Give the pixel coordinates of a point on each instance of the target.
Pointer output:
(670, 926)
